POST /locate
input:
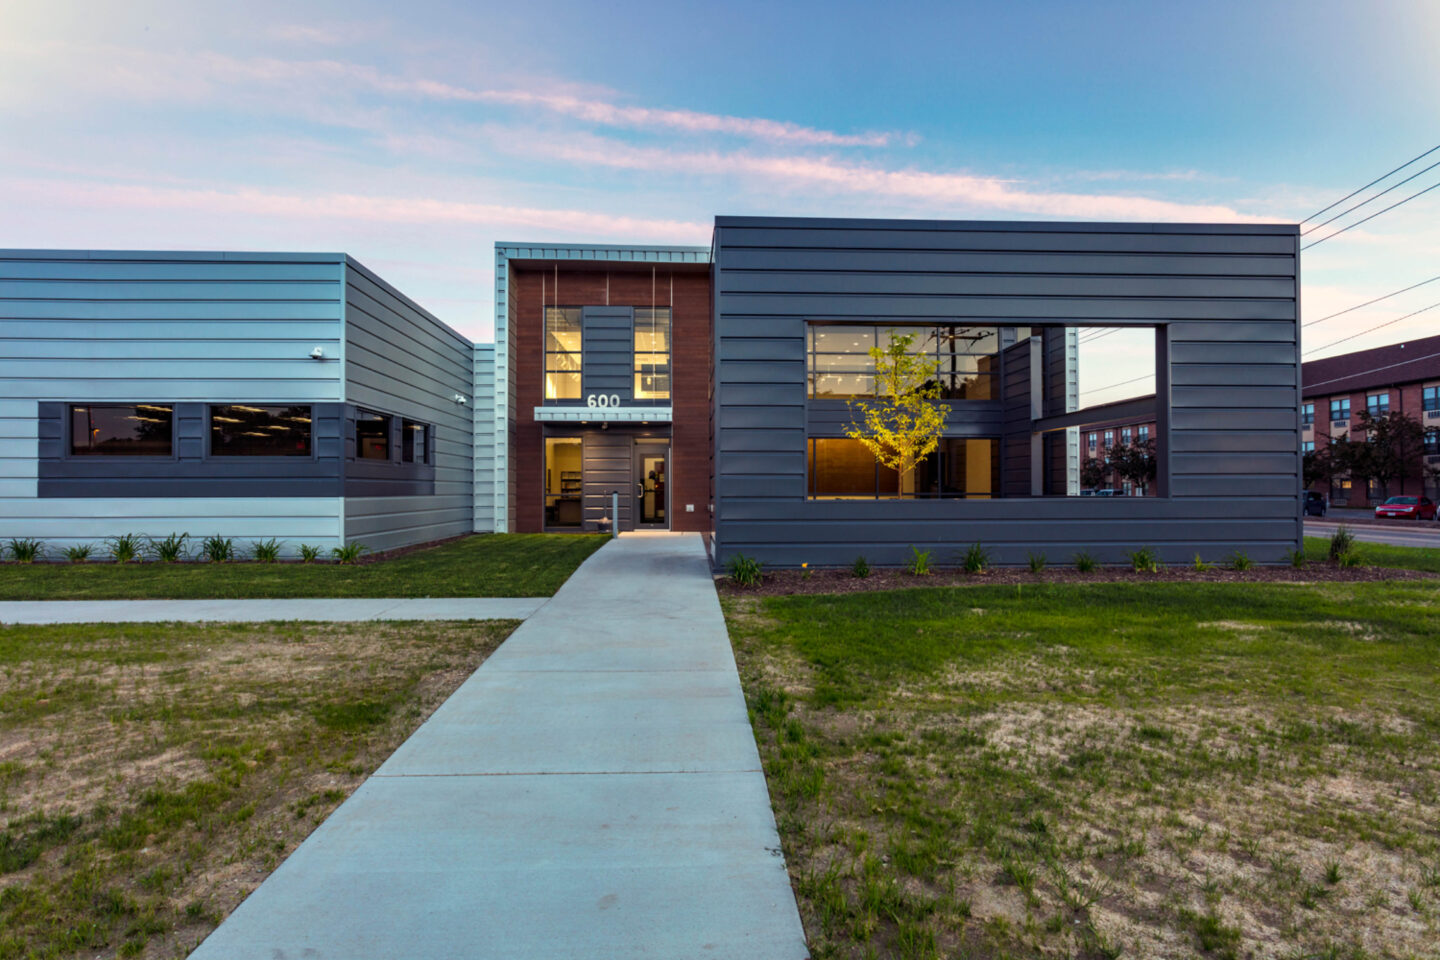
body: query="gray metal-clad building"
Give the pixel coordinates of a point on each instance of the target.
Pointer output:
(241, 379)
(1222, 300)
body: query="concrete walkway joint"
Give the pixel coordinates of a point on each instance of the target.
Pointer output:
(593, 790)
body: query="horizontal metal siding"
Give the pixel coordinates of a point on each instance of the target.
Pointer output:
(485, 450)
(401, 360)
(608, 352)
(190, 327)
(1226, 294)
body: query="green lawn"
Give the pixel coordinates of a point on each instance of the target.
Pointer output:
(488, 565)
(1215, 770)
(1380, 554)
(151, 775)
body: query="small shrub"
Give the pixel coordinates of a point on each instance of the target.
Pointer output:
(78, 554)
(349, 553)
(1085, 562)
(1037, 562)
(744, 571)
(860, 569)
(265, 551)
(919, 562)
(1144, 560)
(1239, 561)
(218, 549)
(1201, 566)
(1350, 558)
(125, 548)
(25, 550)
(1342, 541)
(1296, 558)
(309, 553)
(976, 559)
(171, 549)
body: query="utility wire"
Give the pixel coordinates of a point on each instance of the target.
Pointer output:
(1370, 199)
(1388, 366)
(1311, 323)
(1120, 384)
(1370, 184)
(1371, 217)
(1378, 326)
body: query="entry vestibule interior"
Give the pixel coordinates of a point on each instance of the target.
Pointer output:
(590, 471)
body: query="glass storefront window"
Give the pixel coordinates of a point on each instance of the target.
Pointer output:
(241, 430)
(128, 430)
(563, 486)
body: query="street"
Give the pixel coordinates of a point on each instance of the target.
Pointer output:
(1369, 533)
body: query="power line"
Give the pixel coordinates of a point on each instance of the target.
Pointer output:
(1122, 383)
(1371, 217)
(1378, 326)
(1371, 199)
(1311, 323)
(1371, 184)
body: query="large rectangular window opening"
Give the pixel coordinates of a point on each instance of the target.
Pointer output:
(372, 435)
(563, 482)
(562, 353)
(961, 468)
(242, 430)
(652, 353)
(125, 430)
(842, 367)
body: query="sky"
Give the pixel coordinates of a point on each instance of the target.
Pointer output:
(414, 137)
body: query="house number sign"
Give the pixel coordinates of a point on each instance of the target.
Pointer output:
(602, 400)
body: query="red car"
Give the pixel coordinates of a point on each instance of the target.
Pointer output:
(1406, 508)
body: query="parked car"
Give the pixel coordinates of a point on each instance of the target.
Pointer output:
(1315, 504)
(1406, 508)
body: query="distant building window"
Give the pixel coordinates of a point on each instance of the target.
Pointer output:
(414, 441)
(562, 353)
(128, 430)
(652, 353)
(1340, 410)
(1339, 490)
(372, 435)
(1144, 434)
(1430, 399)
(1307, 413)
(1432, 442)
(1109, 439)
(1125, 436)
(240, 430)
(841, 468)
(1094, 438)
(1307, 446)
(1378, 404)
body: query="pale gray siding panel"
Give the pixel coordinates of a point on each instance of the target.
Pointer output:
(1225, 297)
(486, 494)
(401, 360)
(184, 328)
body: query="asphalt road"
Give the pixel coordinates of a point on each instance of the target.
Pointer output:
(1396, 536)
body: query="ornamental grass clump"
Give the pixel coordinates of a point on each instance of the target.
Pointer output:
(25, 550)
(309, 553)
(1037, 562)
(976, 559)
(1085, 562)
(1296, 558)
(1342, 544)
(744, 571)
(79, 553)
(860, 569)
(171, 549)
(265, 551)
(1200, 566)
(349, 553)
(1240, 561)
(125, 548)
(218, 549)
(919, 562)
(1144, 560)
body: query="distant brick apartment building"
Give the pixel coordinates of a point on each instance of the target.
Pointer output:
(1099, 438)
(1398, 377)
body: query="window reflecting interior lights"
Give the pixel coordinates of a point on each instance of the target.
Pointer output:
(240, 430)
(563, 482)
(562, 353)
(652, 353)
(372, 436)
(130, 430)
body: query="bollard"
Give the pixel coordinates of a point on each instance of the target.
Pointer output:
(614, 514)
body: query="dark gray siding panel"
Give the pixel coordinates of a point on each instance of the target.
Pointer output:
(1223, 295)
(608, 350)
(608, 467)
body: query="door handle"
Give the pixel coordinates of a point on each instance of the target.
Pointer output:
(640, 491)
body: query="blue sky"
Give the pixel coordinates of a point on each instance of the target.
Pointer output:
(414, 140)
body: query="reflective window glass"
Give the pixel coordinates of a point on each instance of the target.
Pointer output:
(243, 430)
(126, 430)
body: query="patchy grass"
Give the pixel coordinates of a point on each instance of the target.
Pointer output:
(1379, 554)
(151, 775)
(487, 565)
(1207, 770)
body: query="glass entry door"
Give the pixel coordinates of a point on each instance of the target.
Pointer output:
(652, 487)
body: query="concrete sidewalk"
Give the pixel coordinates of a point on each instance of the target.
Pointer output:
(250, 611)
(593, 790)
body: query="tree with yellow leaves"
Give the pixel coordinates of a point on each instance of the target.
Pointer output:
(902, 424)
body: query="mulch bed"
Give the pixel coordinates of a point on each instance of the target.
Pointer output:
(787, 582)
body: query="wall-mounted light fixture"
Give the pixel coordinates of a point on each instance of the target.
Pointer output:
(318, 353)
(461, 399)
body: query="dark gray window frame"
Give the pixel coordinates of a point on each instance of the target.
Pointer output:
(425, 457)
(209, 433)
(391, 453)
(67, 444)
